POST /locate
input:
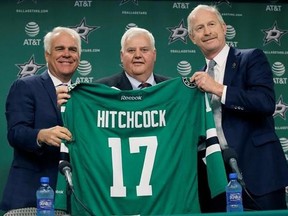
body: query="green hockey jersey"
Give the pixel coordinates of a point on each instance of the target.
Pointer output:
(135, 152)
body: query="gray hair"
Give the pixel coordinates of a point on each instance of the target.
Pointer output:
(211, 8)
(50, 35)
(134, 31)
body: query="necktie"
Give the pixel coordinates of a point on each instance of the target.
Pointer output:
(211, 65)
(144, 85)
(62, 84)
(210, 72)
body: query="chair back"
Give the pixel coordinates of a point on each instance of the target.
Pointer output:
(30, 212)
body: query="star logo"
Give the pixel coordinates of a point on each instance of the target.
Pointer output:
(179, 32)
(21, 1)
(223, 2)
(273, 34)
(125, 1)
(29, 68)
(84, 30)
(187, 82)
(281, 108)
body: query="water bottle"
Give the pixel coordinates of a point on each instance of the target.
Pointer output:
(234, 194)
(45, 198)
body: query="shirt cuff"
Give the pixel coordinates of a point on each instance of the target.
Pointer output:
(223, 98)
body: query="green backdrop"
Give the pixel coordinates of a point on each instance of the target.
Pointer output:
(101, 24)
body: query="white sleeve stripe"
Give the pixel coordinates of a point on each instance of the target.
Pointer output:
(63, 109)
(211, 133)
(208, 108)
(63, 148)
(212, 149)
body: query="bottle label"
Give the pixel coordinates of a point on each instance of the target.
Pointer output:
(234, 197)
(45, 204)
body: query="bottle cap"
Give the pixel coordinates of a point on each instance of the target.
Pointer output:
(233, 176)
(44, 179)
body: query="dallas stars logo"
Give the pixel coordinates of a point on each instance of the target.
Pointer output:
(21, 1)
(179, 32)
(273, 34)
(187, 82)
(84, 30)
(223, 1)
(29, 68)
(125, 1)
(281, 108)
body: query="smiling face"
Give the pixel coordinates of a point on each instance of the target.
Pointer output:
(63, 58)
(208, 33)
(138, 57)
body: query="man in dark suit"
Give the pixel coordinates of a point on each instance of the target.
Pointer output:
(34, 121)
(243, 102)
(138, 55)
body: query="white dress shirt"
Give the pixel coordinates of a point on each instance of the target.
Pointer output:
(219, 70)
(56, 81)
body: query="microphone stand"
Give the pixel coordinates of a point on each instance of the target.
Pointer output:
(68, 200)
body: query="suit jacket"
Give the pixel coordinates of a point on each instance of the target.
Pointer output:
(121, 81)
(31, 105)
(247, 121)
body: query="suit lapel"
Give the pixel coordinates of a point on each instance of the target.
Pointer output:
(124, 83)
(50, 88)
(158, 79)
(231, 66)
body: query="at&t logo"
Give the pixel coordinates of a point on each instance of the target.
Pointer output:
(32, 30)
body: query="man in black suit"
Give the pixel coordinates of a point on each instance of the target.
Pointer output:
(243, 102)
(34, 122)
(138, 55)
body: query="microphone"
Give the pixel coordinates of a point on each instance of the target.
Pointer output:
(230, 157)
(66, 170)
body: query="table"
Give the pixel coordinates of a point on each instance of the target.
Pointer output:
(246, 213)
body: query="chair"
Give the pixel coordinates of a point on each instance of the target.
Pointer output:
(30, 212)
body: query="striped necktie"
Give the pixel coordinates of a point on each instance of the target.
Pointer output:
(61, 84)
(144, 85)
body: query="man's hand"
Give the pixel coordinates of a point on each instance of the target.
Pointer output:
(62, 95)
(53, 136)
(206, 83)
